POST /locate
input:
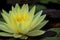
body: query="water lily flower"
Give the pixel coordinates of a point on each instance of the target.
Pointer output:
(21, 22)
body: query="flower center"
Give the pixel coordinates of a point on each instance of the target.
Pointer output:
(21, 18)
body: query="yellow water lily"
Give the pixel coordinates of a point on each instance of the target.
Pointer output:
(21, 21)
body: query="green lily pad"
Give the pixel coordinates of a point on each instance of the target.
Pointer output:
(52, 38)
(55, 29)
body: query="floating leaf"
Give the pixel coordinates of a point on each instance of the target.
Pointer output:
(1, 19)
(40, 7)
(44, 1)
(52, 38)
(55, 29)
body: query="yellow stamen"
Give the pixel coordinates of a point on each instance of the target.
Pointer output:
(21, 18)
